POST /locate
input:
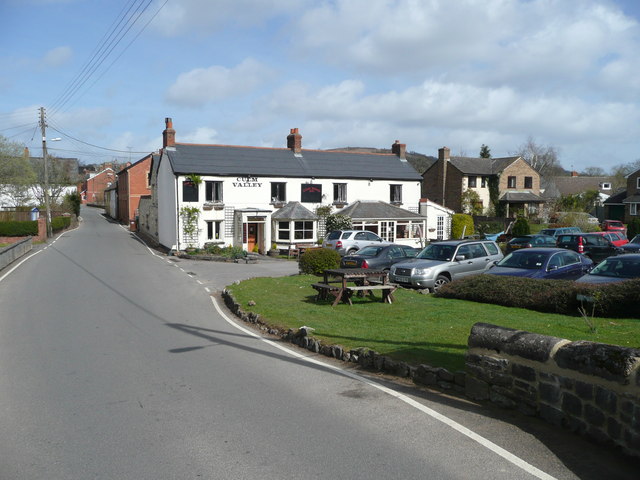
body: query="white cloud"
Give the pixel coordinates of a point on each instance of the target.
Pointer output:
(201, 135)
(203, 85)
(58, 57)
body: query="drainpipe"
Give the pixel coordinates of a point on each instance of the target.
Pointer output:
(177, 215)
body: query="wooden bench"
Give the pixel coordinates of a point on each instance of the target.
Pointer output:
(386, 289)
(325, 289)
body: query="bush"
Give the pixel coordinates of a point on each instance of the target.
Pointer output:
(60, 223)
(458, 223)
(633, 228)
(318, 260)
(521, 227)
(72, 201)
(18, 229)
(554, 296)
(227, 252)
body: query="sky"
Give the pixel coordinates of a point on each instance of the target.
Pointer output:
(358, 73)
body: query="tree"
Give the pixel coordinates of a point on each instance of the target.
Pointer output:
(16, 173)
(461, 225)
(521, 227)
(61, 175)
(619, 172)
(593, 172)
(544, 158)
(471, 203)
(336, 221)
(485, 152)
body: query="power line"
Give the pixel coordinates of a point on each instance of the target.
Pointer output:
(90, 144)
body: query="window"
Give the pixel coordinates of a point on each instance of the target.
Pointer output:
(528, 182)
(214, 230)
(278, 192)
(396, 193)
(638, 182)
(284, 231)
(189, 191)
(605, 186)
(511, 182)
(303, 230)
(485, 180)
(213, 191)
(473, 181)
(633, 209)
(339, 193)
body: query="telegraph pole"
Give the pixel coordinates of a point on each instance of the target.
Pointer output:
(47, 203)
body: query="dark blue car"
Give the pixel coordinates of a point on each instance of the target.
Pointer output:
(547, 263)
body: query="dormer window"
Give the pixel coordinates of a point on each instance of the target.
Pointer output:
(605, 186)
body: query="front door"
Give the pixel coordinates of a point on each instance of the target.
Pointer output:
(252, 236)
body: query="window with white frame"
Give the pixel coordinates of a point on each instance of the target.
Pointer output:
(511, 182)
(189, 191)
(395, 193)
(303, 230)
(633, 209)
(214, 229)
(339, 193)
(440, 227)
(278, 192)
(638, 182)
(284, 231)
(484, 182)
(473, 181)
(213, 191)
(409, 229)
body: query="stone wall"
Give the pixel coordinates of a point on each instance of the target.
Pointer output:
(590, 388)
(12, 252)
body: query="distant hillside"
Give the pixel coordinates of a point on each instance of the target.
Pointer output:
(418, 161)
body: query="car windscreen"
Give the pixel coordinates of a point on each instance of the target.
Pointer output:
(635, 239)
(438, 252)
(523, 259)
(334, 235)
(618, 267)
(520, 240)
(548, 231)
(369, 251)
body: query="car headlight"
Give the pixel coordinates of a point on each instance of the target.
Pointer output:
(422, 271)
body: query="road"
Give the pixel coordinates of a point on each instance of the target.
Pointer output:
(115, 363)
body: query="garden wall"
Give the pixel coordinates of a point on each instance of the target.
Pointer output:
(590, 388)
(14, 251)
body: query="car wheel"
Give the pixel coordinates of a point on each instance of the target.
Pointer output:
(352, 251)
(440, 281)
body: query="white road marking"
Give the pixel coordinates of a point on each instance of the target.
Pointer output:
(517, 461)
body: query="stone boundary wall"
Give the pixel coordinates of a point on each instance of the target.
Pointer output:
(591, 388)
(12, 252)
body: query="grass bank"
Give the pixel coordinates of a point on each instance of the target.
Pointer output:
(416, 328)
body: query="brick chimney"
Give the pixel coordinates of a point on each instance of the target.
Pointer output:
(444, 153)
(400, 149)
(294, 141)
(574, 173)
(169, 134)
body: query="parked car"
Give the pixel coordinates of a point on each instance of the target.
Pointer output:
(613, 226)
(633, 246)
(529, 241)
(591, 245)
(555, 232)
(379, 256)
(548, 263)
(347, 242)
(615, 237)
(441, 262)
(614, 269)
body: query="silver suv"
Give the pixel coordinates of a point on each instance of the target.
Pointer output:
(347, 242)
(442, 262)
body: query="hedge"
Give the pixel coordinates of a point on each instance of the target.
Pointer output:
(317, 260)
(554, 296)
(60, 223)
(18, 229)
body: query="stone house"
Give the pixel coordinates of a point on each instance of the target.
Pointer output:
(517, 183)
(254, 197)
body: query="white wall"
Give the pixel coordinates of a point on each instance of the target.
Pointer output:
(167, 209)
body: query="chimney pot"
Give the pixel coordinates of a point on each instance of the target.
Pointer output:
(169, 134)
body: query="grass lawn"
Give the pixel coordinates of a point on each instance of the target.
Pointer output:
(416, 328)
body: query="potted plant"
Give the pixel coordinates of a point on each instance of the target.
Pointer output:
(274, 252)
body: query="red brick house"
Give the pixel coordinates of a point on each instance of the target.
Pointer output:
(133, 183)
(92, 190)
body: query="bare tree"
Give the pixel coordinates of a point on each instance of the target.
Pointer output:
(16, 173)
(61, 175)
(544, 158)
(593, 172)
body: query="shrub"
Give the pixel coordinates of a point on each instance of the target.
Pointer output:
(554, 296)
(18, 229)
(521, 227)
(633, 228)
(458, 223)
(337, 221)
(60, 223)
(318, 260)
(228, 252)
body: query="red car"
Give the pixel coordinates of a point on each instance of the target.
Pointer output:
(613, 226)
(615, 237)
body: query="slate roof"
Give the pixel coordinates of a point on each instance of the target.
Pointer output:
(225, 160)
(481, 166)
(568, 185)
(521, 197)
(632, 199)
(377, 210)
(616, 198)
(293, 211)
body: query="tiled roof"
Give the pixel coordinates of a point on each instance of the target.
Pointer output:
(377, 210)
(568, 185)
(521, 197)
(481, 166)
(293, 211)
(225, 160)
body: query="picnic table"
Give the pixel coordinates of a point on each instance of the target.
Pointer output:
(336, 283)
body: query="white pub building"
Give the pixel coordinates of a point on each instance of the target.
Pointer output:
(254, 197)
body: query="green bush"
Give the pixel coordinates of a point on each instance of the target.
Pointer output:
(60, 223)
(458, 223)
(633, 228)
(72, 202)
(521, 227)
(228, 251)
(318, 260)
(553, 296)
(18, 229)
